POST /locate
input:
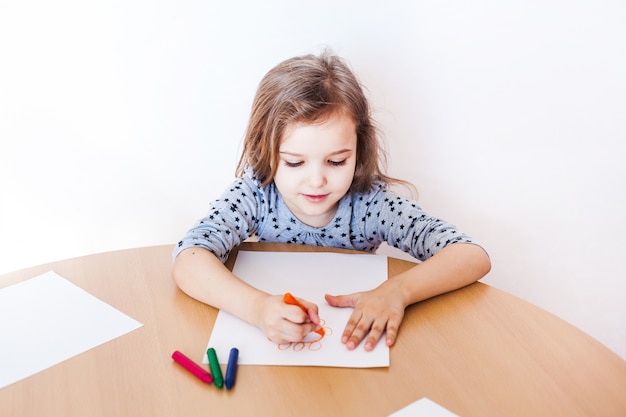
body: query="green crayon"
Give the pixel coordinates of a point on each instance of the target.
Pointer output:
(218, 379)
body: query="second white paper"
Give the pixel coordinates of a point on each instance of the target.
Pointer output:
(47, 319)
(307, 275)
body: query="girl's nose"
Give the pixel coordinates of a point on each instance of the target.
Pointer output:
(317, 178)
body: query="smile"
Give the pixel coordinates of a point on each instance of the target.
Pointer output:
(317, 198)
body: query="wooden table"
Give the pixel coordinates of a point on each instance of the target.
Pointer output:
(477, 351)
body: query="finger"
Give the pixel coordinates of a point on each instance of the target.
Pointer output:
(302, 331)
(314, 316)
(350, 326)
(356, 337)
(295, 315)
(312, 312)
(349, 300)
(356, 329)
(308, 313)
(376, 331)
(292, 332)
(393, 326)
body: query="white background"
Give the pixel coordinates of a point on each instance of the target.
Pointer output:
(121, 120)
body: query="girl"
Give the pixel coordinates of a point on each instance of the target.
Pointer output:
(310, 173)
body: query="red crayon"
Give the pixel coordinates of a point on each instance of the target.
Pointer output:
(192, 367)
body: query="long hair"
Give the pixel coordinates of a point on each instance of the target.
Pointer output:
(308, 89)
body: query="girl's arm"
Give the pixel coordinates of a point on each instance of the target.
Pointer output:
(201, 275)
(382, 308)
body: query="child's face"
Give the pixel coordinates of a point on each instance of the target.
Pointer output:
(316, 167)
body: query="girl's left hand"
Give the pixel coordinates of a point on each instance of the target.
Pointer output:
(375, 312)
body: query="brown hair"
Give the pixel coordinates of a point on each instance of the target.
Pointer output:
(309, 89)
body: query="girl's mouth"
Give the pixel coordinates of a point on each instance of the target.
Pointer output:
(316, 198)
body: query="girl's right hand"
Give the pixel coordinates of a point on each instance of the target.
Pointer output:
(284, 323)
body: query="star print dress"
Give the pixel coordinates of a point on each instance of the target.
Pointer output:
(362, 222)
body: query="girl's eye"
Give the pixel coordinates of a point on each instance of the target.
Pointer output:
(293, 164)
(337, 163)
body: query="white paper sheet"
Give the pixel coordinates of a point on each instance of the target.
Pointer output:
(47, 320)
(308, 276)
(423, 407)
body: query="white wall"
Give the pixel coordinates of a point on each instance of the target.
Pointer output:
(119, 121)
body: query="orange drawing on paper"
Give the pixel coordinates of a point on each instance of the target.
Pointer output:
(313, 341)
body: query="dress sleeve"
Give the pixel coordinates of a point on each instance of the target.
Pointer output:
(403, 224)
(230, 220)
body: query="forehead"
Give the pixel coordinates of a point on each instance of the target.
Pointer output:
(337, 129)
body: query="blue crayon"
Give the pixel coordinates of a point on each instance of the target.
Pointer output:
(231, 369)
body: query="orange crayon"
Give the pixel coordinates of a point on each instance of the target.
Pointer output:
(290, 299)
